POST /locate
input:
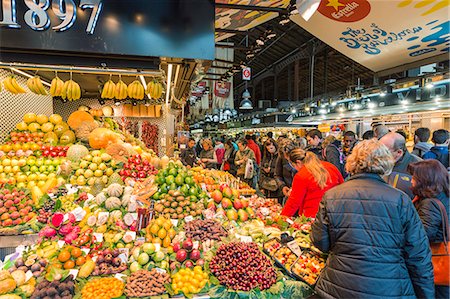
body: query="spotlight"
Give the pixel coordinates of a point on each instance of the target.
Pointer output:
(429, 85)
(404, 102)
(382, 94)
(307, 108)
(356, 106)
(341, 109)
(322, 111)
(294, 110)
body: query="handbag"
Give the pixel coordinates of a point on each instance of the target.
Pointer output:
(269, 184)
(441, 251)
(249, 169)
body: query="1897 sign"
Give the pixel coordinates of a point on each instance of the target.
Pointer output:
(37, 18)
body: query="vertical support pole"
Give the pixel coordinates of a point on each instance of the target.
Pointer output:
(325, 71)
(296, 81)
(289, 82)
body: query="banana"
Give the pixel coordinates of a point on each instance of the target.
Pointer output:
(130, 90)
(39, 86)
(16, 85)
(56, 87)
(121, 90)
(8, 86)
(31, 86)
(77, 94)
(64, 90)
(104, 91)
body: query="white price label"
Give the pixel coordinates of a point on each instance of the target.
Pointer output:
(132, 234)
(61, 243)
(79, 213)
(74, 272)
(174, 222)
(295, 248)
(159, 270)
(98, 237)
(289, 220)
(157, 246)
(140, 239)
(120, 276)
(188, 219)
(195, 244)
(28, 275)
(86, 250)
(66, 217)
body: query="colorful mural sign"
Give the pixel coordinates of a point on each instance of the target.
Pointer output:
(382, 34)
(222, 89)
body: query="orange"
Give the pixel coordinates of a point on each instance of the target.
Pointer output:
(64, 256)
(59, 266)
(76, 252)
(157, 240)
(69, 264)
(80, 261)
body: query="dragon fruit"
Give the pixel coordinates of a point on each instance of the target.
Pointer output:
(70, 237)
(66, 229)
(57, 219)
(72, 218)
(121, 224)
(48, 232)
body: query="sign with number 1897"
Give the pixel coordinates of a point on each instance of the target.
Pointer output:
(37, 18)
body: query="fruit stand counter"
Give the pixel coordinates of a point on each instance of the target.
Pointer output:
(9, 243)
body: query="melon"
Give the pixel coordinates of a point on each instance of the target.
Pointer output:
(102, 137)
(107, 111)
(60, 128)
(76, 152)
(51, 138)
(78, 117)
(68, 137)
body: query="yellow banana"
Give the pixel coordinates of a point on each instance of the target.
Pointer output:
(64, 90)
(8, 85)
(77, 91)
(104, 91)
(40, 86)
(31, 86)
(130, 90)
(16, 85)
(56, 87)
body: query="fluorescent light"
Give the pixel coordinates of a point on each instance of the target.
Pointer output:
(372, 105)
(357, 107)
(29, 76)
(177, 71)
(306, 8)
(294, 110)
(322, 111)
(429, 85)
(169, 81)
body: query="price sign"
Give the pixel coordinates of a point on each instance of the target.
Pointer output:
(247, 73)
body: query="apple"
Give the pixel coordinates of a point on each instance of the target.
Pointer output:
(188, 245)
(217, 196)
(232, 215)
(226, 203)
(243, 216)
(189, 264)
(227, 192)
(148, 248)
(176, 247)
(134, 267)
(200, 262)
(143, 258)
(195, 255)
(237, 204)
(159, 256)
(181, 255)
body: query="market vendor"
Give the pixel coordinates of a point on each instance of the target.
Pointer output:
(314, 177)
(208, 157)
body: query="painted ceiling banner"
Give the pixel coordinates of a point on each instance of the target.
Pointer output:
(244, 19)
(382, 34)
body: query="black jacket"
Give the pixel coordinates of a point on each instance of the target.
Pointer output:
(430, 214)
(284, 172)
(376, 242)
(188, 157)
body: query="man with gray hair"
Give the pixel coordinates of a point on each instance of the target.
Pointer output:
(396, 144)
(379, 131)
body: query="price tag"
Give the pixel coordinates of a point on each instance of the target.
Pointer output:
(188, 219)
(86, 250)
(129, 234)
(79, 213)
(124, 253)
(20, 249)
(134, 215)
(295, 248)
(98, 237)
(52, 195)
(120, 276)
(195, 244)
(204, 187)
(159, 270)
(157, 247)
(61, 243)
(74, 272)
(66, 217)
(28, 275)
(140, 239)
(245, 239)
(174, 222)
(289, 220)
(90, 196)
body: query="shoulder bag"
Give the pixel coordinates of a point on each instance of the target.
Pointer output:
(441, 251)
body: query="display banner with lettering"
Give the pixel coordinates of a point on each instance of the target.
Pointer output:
(169, 28)
(382, 34)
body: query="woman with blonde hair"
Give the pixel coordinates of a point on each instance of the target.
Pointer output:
(208, 157)
(376, 243)
(313, 179)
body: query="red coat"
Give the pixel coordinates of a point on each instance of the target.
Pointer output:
(306, 194)
(255, 148)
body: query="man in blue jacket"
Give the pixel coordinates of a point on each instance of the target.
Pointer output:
(440, 149)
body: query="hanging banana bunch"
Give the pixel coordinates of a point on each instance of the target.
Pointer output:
(109, 90)
(12, 86)
(121, 91)
(154, 89)
(136, 90)
(35, 86)
(56, 88)
(71, 90)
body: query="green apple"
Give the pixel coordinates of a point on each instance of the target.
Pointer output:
(134, 267)
(148, 248)
(159, 256)
(43, 168)
(143, 259)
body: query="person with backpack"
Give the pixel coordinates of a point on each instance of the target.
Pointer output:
(440, 149)
(421, 144)
(330, 151)
(220, 150)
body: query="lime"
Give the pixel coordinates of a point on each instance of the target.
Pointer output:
(185, 190)
(193, 198)
(163, 188)
(193, 191)
(179, 180)
(189, 180)
(165, 173)
(160, 180)
(156, 196)
(173, 171)
(170, 179)
(173, 186)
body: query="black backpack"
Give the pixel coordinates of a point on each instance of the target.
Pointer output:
(441, 156)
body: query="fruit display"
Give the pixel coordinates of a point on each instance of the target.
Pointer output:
(35, 85)
(56, 87)
(189, 281)
(108, 262)
(242, 266)
(285, 257)
(109, 90)
(32, 263)
(69, 257)
(71, 91)
(146, 256)
(160, 231)
(137, 168)
(15, 207)
(145, 283)
(187, 255)
(154, 89)
(136, 90)
(62, 288)
(16, 282)
(272, 246)
(202, 230)
(11, 85)
(103, 288)
(308, 267)
(121, 90)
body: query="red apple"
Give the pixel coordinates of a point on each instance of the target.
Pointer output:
(195, 255)
(188, 245)
(176, 247)
(181, 255)
(189, 264)
(237, 204)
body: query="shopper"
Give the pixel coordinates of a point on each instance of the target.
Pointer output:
(229, 157)
(367, 135)
(350, 140)
(270, 135)
(430, 185)
(440, 149)
(189, 156)
(421, 144)
(267, 182)
(314, 177)
(376, 243)
(220, 150)
(242, 156)
(396, 144)
(284, 171)
(328, 152)
(208, 158)
(254, 147)
(379, 131)
(301, 142)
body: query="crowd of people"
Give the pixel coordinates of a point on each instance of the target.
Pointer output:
(377, 206)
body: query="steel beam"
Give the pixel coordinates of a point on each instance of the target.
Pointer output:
(251, 7)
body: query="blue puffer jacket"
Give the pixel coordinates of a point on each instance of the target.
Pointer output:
(376, 242)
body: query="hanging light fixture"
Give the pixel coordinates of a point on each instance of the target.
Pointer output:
(246, 104)
(306, 8)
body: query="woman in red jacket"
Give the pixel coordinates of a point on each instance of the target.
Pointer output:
(313, 179)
